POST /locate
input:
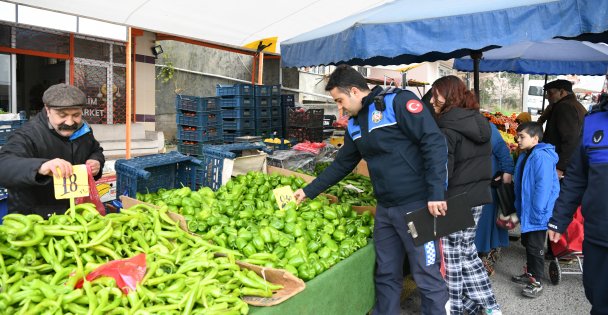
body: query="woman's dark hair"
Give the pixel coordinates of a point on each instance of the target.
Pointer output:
(532, 128)
(455, 94)
(344, 78)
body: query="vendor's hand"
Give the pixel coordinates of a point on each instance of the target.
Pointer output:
(94, 165)
(554, 236)
(437, 208)
(299, 195)
(560, 173)
(507, 178)
(56, 167)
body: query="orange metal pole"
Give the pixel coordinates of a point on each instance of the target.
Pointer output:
(72, 66)
(134, 78)
(261, 69)
(253, 71)
(128, 95)
(33, 53)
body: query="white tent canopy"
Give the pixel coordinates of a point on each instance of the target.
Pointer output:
(233, 23)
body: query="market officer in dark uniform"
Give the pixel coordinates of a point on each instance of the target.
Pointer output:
(49, 144)
(406, 154)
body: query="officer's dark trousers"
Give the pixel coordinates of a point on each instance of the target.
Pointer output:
(595, 277)
(392, 242)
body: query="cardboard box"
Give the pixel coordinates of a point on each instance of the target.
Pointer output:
(292, 285)
(106, 187)
(361, 209)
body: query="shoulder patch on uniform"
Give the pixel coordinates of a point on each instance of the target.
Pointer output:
(414, 106)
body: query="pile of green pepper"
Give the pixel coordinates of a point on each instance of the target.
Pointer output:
(352, 196)
(41, 261)
(243, 215)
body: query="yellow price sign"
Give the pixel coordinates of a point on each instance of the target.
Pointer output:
(74, 186)
(283, 195)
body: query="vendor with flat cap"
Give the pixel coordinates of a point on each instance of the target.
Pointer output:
(564, 121)
(49, 144)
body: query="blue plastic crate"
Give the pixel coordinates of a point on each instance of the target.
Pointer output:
(275, 90)
(263, 101)
(276, 123)
(3, 207)
(263, 123)
(238, 113)
(201, 119)
(232, 90)
(238, 123)
(276, 112)
(200, 134)
(7, 127)
(229, 135)
(275, 101)
(262, 90)
(237, 102)
(213, 160)
(151, 172)
(196, 104)
(262, 113)
(3, 193)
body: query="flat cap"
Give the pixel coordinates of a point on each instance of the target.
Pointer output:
(64, 95)
(559, 84)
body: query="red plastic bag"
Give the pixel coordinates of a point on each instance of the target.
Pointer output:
(127, 272)
(312, 147)
(572, 239)
(93, 195)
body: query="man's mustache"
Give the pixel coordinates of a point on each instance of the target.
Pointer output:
(68, 127)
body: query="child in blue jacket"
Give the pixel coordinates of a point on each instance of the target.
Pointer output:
(536, 189)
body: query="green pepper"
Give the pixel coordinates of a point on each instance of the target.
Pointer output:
(249, 249)
(277, 223)
(266, 235)
(313, 246)
(339, 235)
(306, 272)
(364, 230)
(296, 261)
(330, 214)
(308, 215)
(331, 244)
(291, 269)
(258, 242)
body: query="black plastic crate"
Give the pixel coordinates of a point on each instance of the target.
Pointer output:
(300, 117)
(263, 101)
(232, 90)
(198, 119)
(196, 104)
(239, 123)
(151, 172)
(329, 120)
(7, 127)
(195, 148)
(238, 113)
(301, 134)
(237, 102)
(199, 134)
(288, 100)
(262, 113)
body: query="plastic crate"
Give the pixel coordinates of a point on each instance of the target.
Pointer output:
(328, 121)
(276, 112)
(301, 134)
(238, 113)
(239, 123)
(275, 101)
(262, 90)
(309, 118)
(196, 104)
(262, 113)
(7, 127)
(288, 100)
(3, 193)
(263, 101)
(151, 172)
(263, 123)
(200, 134)
(236, 89)
(196, 148)
(275, 90)
(229, 135)
(276, 123)
(214, 155)
(237, 102)
(3, 207)
(201, 119)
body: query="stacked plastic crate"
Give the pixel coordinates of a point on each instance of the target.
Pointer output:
(238, 110)
(199, 122)
(287, 101)
(268, 110)
(304, 124)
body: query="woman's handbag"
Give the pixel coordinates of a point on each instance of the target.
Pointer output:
(506, 195)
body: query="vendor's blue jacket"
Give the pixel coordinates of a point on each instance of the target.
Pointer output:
(536, 187)
(586, 181)
(405, 151)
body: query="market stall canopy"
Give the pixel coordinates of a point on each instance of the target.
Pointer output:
(403, 32)
(233, 23)
(553, 57)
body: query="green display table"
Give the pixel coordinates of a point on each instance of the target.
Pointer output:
(346, 288)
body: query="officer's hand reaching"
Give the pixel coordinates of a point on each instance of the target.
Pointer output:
(299, 195)
(56, 167)
(437, 208)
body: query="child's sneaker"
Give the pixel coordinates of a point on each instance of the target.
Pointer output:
(493, 312)
(523, 278)
(533, 290)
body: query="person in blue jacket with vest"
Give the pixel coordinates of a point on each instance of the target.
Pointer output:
(585, 184)
(536, 189)
(406, 154)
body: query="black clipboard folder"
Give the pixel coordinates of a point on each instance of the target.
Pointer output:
(425, 228)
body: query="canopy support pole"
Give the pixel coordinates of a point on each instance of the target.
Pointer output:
(128, 96)
(476, 56)
(544, 94)
(261, 68)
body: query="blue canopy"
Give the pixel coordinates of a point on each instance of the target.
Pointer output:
(404, 31)
(553, 56)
